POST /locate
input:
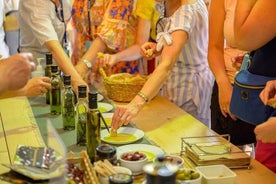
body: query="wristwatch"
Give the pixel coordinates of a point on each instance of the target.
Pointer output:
(88, 64)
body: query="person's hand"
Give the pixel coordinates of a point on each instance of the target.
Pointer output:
(225, 93)
(37, 86)
(107, 61)
(123, 114)
(266, 131)
(15, 71)
(237, 61)
(81, 69)
(148, 50)
(268, 92)
(77, 82)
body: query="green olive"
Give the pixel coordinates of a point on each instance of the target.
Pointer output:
(186, 174)
(195, 175)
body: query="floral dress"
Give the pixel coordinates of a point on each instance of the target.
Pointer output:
(118, 31)
(87, 15)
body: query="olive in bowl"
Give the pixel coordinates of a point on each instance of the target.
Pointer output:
(134, 161)
(188, 176)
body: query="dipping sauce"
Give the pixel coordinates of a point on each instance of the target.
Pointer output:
(121, 137)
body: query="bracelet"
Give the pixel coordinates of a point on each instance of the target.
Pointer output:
(88, 64)
(142, 95)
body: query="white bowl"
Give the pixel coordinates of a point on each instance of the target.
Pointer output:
(119, 169)
(190, 180)
(136, 166)
(217, 174)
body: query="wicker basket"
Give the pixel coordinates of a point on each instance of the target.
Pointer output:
(122, 87)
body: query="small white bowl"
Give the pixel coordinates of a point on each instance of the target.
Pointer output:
(217, 174)
(118, 169)
(136, 166)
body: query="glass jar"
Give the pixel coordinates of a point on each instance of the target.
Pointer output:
(106, 151)
(121, 178)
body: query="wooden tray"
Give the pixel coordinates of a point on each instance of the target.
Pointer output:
(217, 150)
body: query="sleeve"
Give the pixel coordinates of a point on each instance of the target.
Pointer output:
(183, 19)
(145, 9)
(39, 20)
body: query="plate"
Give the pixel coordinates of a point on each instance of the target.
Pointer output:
(125, 135)
(104, 107)
(100, 97)
(150, 150)
(108, 119)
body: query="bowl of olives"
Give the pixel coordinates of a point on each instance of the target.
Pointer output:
(133, 160)
(188, 176)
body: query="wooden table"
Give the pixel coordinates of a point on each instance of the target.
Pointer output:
(163, 123)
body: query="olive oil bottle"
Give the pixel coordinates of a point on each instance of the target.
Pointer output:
(81, 117)
(49, 63)
(93, 128)
(55, 91)
(68, 104)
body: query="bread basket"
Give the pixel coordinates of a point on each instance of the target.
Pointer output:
(122, 87)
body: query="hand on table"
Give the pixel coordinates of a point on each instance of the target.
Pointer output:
(123, 115)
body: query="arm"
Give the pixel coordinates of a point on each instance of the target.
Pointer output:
(216, 54)
(64, 63)
(34, 87)
(131, 53)
(170, 53)
(255, 23)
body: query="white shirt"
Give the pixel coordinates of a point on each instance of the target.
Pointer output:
(191, 77)
(4, 50)
(40, 23)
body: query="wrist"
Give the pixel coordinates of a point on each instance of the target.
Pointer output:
(86, 62)
(143, 96)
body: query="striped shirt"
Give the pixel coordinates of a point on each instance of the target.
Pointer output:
(191, 78)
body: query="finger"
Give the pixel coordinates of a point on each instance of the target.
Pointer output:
(32, 66)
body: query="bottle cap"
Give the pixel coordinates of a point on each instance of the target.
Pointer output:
(67, 79)
(93, 100)
(105, 150)
(54, 68)
(49, 58)
(82, 91)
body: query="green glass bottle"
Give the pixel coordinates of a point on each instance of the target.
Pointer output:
(68, 104)
(49, 63)
(81, 117)
(55, 94)
(93, 128)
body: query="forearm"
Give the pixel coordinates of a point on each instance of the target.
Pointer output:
(97, 46)
(130, 54)
(217, 64)
(13, 93)
(62, 59)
